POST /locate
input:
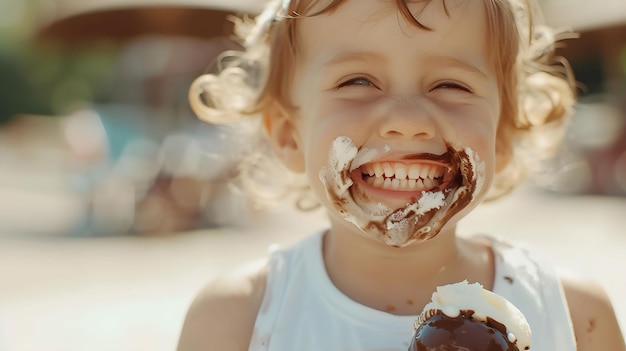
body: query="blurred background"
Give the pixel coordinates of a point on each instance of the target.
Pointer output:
(115, 201)
(97, 133)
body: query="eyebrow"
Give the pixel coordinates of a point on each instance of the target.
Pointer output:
(433, 60)
(454, 62)
(353, 56)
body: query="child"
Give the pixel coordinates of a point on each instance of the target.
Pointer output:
(402, 116)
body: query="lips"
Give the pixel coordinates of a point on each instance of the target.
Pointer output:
(401, 176)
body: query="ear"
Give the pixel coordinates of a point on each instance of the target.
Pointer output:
(284, 138)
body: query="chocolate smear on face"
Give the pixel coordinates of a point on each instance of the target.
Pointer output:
(420, 219)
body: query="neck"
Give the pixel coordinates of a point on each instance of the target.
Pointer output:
(400, 280)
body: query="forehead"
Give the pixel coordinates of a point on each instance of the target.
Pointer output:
(455, 27)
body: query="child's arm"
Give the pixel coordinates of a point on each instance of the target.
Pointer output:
(222, 316)
(595, 324)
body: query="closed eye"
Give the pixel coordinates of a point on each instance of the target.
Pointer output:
(452, 85)
(358, 81)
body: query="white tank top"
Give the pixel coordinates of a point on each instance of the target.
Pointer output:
(302, 309)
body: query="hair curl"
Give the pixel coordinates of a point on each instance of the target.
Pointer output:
(537, 87)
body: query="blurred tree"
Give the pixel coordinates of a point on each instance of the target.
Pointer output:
(17, 93)
(45, 79)
(49, 81)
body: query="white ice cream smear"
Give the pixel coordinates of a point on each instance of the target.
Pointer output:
(340, 158)
(366, 155)
(400, 223)
(479, 170)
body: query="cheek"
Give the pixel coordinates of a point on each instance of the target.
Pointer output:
(323, 124)
(479, 132)
(319, 135)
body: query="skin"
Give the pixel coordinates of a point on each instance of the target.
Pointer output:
(350, 81)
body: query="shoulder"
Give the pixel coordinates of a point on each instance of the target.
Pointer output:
(593, 317)
(222, 316)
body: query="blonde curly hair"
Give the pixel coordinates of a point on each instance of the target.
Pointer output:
(537, 87)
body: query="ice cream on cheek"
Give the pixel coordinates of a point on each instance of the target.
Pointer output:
(421, 219)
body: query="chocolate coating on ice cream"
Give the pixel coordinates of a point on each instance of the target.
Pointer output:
(420, 219)
(462, 333)
(467, 317)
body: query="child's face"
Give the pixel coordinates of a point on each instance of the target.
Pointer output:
(420, 106)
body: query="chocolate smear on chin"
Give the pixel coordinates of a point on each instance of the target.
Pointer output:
(419, 220)
(457, 189)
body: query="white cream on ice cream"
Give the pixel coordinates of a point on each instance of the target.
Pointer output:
(473, 302)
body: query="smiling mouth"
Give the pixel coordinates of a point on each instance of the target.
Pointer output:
(434, 188)
(399, 176)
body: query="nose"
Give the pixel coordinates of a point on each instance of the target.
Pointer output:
(408, 120)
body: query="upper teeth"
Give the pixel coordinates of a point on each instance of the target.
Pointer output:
(398, 170)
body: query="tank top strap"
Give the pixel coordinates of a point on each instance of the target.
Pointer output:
(281, 263)
(269, 309)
